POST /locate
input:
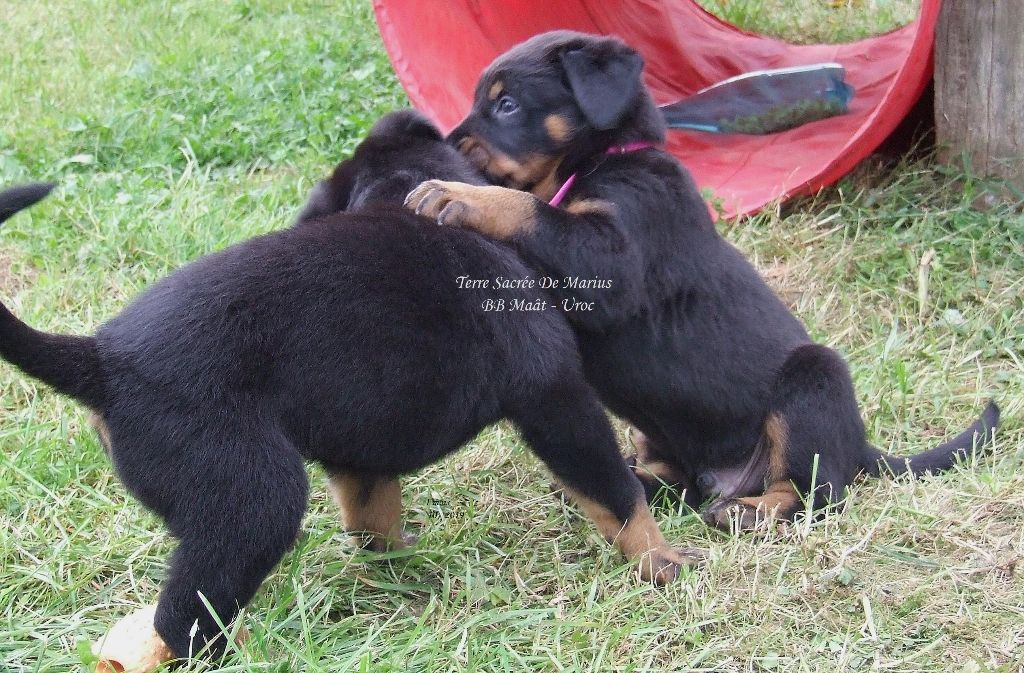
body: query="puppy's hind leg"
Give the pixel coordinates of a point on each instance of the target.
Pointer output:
(813, 436)
(236, 506)
(371, 508)
(102, 431)
(567, 428)
(660, 474)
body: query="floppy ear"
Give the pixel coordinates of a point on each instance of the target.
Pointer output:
(605, 78)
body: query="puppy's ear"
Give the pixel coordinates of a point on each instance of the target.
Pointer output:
(329, 196)
(605, 78)
(404, 124)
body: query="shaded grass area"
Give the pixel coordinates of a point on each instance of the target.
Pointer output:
(177, 128)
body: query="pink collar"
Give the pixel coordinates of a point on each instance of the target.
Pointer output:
(614, 149)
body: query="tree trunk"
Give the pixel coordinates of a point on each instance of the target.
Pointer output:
(979, 86)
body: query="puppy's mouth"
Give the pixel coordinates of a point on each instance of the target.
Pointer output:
(474, 150)
(501, 169)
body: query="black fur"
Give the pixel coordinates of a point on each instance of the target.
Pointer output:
(689, 343)
(18, 198)
(343, 340)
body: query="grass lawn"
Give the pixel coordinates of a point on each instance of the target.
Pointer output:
(176, 128)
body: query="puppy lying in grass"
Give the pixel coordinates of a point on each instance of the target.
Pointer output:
(347, 340)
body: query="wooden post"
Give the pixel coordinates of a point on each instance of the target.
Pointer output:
(979, 86)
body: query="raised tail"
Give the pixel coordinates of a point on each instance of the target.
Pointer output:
(976, 437)
(21, 197)
(68, 364)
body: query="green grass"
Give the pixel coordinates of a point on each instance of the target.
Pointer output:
(815, 21)
(176, 128)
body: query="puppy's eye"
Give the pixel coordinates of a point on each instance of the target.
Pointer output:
(505, 106)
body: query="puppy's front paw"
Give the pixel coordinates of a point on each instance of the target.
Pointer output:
(662, 566)
(380, 544)
(440, 201)
(733, 516)
(424, 197)
(493, 211)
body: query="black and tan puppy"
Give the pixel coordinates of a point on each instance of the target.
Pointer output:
(347, 340)
(679, 334)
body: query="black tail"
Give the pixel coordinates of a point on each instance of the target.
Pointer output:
(69, 364)
(18, 198)
(978, 436)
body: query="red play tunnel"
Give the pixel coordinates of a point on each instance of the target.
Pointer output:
(439, 48)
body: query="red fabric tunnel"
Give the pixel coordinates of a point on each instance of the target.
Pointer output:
(439, 48)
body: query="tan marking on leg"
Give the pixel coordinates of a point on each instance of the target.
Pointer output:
(638, 538)
(558, 128)
(654, 470)
(780, 497)
(590, 207)
(659, 474)
(662, 471)
(371, 509)
(779, 501)
(493, 211)
(642, 444)
(776, 433)
(100, 426)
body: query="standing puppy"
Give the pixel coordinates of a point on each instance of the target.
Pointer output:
(679, 333)
(345, 340)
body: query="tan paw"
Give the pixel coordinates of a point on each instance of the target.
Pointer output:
(440, 200)
(662, 566)
(734, 516)
(376, 543)
(494, 211)
(132, 645)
